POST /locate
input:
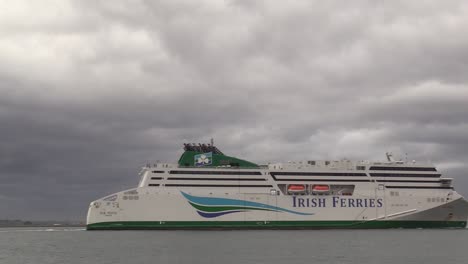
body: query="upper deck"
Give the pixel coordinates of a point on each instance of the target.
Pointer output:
(209, 156)
(215, 169)
(352, 165)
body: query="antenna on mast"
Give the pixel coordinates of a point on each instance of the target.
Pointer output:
(389, 156)
(212, 142)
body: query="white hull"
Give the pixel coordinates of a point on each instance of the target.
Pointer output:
(370, 201)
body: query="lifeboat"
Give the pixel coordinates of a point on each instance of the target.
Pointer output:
(296, 189)
(320, 189)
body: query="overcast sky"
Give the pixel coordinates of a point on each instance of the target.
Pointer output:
(92, 90)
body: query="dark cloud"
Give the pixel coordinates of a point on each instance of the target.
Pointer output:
(90, 92)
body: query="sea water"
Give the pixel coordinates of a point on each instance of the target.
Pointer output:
(74, 245)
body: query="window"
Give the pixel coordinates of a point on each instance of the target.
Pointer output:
(311, 162)
(360, 167)
(402, 168)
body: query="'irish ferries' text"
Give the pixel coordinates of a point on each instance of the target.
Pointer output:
(336, 202)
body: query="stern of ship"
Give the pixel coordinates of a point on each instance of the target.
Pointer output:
(105, 210)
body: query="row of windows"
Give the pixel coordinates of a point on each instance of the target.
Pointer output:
(218, 185)
(418, 187)
(402, 168)
(406, 181)
(304, 173)
(215, 179)
(312, 162)
(308, 180)
(404, 175)
(217, 172)
(318, 173)
(399, 205)
(130, 197)
(321, 180)
(335, 189)
(289, 180)
(436, 200)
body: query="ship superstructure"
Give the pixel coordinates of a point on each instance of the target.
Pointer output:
(207, 189)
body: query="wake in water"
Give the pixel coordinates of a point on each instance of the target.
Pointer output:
(42, 230)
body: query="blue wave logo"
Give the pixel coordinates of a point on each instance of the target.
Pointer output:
(210, 207)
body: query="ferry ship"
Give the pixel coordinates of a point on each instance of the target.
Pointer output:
(207, 189)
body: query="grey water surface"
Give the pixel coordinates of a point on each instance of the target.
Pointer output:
(69, 246)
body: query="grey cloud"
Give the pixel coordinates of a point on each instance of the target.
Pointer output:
(91, 91)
